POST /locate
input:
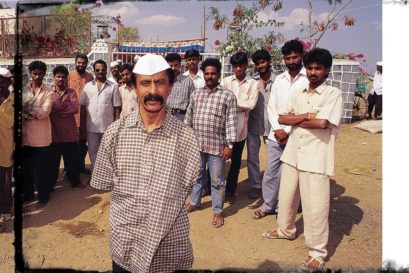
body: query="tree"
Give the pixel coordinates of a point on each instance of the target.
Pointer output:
(242, 22)
(128, 35)
(316, 30)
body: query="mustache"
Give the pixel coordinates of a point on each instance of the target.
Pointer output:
(152, 97)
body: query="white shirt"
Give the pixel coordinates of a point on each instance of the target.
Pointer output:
(246, 93)
(281, 91)
(198, 80)
(129, 101)
(377, 84)
(100, 105)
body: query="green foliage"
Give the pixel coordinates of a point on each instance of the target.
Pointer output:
(128, 35)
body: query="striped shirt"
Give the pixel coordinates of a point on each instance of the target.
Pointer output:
(63, 125)
(150, 175)
(212, 114)
(182, 88)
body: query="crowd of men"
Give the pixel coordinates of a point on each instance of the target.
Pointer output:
(152, 131)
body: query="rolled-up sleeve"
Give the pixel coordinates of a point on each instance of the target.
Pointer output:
(332, 110)
(231, 119)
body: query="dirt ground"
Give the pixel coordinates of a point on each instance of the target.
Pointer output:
(72, 230)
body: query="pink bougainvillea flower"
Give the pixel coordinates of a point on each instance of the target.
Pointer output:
(364, 61)
(114, 28)
(217, 42)
(360, 55)
(269, 48)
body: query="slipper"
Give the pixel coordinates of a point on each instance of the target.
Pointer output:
(190, 208)
(258, 214)
(279, 235)
(319, 261)
(214, 223)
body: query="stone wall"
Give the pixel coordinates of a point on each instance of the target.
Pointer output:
(343, 75)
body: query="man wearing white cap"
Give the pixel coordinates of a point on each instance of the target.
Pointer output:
(375, 94)
(114, 67)
(149, 160)
(6, 143)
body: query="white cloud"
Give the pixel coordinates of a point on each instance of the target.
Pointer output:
(125, 10)
(161, 20)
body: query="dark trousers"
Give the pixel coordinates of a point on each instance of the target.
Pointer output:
(233, 176)
(6, 198)
(375, 100)
(36, 172)
(83, 152)
(118, 269)
(71, 154)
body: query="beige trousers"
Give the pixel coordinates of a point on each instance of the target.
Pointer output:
(314, 191)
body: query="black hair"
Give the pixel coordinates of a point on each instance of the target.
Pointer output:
(126, 66)
(318, 55)
(99, 62)
(260, 54)
(37, 65)
(171, 57)
(292, 46)
(81, 56)
(239, 58)
(211, 62)
(192, 53)
(60, 69)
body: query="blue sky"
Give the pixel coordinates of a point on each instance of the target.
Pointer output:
(174, 20)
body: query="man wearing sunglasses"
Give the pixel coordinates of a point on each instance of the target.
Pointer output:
(100, 106)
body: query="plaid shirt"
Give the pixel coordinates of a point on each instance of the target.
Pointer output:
(212, 114)
(150, 175)
(63, 126)
(181, 91)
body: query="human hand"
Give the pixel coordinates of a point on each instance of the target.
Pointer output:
(280, 134)
(226, 153)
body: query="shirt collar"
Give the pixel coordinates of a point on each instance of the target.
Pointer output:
(134, 119)
(246, 78)
(217, 88)
(302, 72)
(319, 89)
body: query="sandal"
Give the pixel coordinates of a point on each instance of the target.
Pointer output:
(218, 220)
(274, 234)
(191, 208)
(313, 264)
(258, 214)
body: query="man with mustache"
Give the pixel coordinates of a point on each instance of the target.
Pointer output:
(212, 114)
(76, 80)
(258, 124)
(150, 161)
(100, 106)
(284, 85)
(314, 114)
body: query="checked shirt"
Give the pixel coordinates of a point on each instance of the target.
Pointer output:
(181, 91)
(150, 175)
(212, 114)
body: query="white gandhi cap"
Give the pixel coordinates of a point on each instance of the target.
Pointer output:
(379, 63)
(150, 64)
(5, 72)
